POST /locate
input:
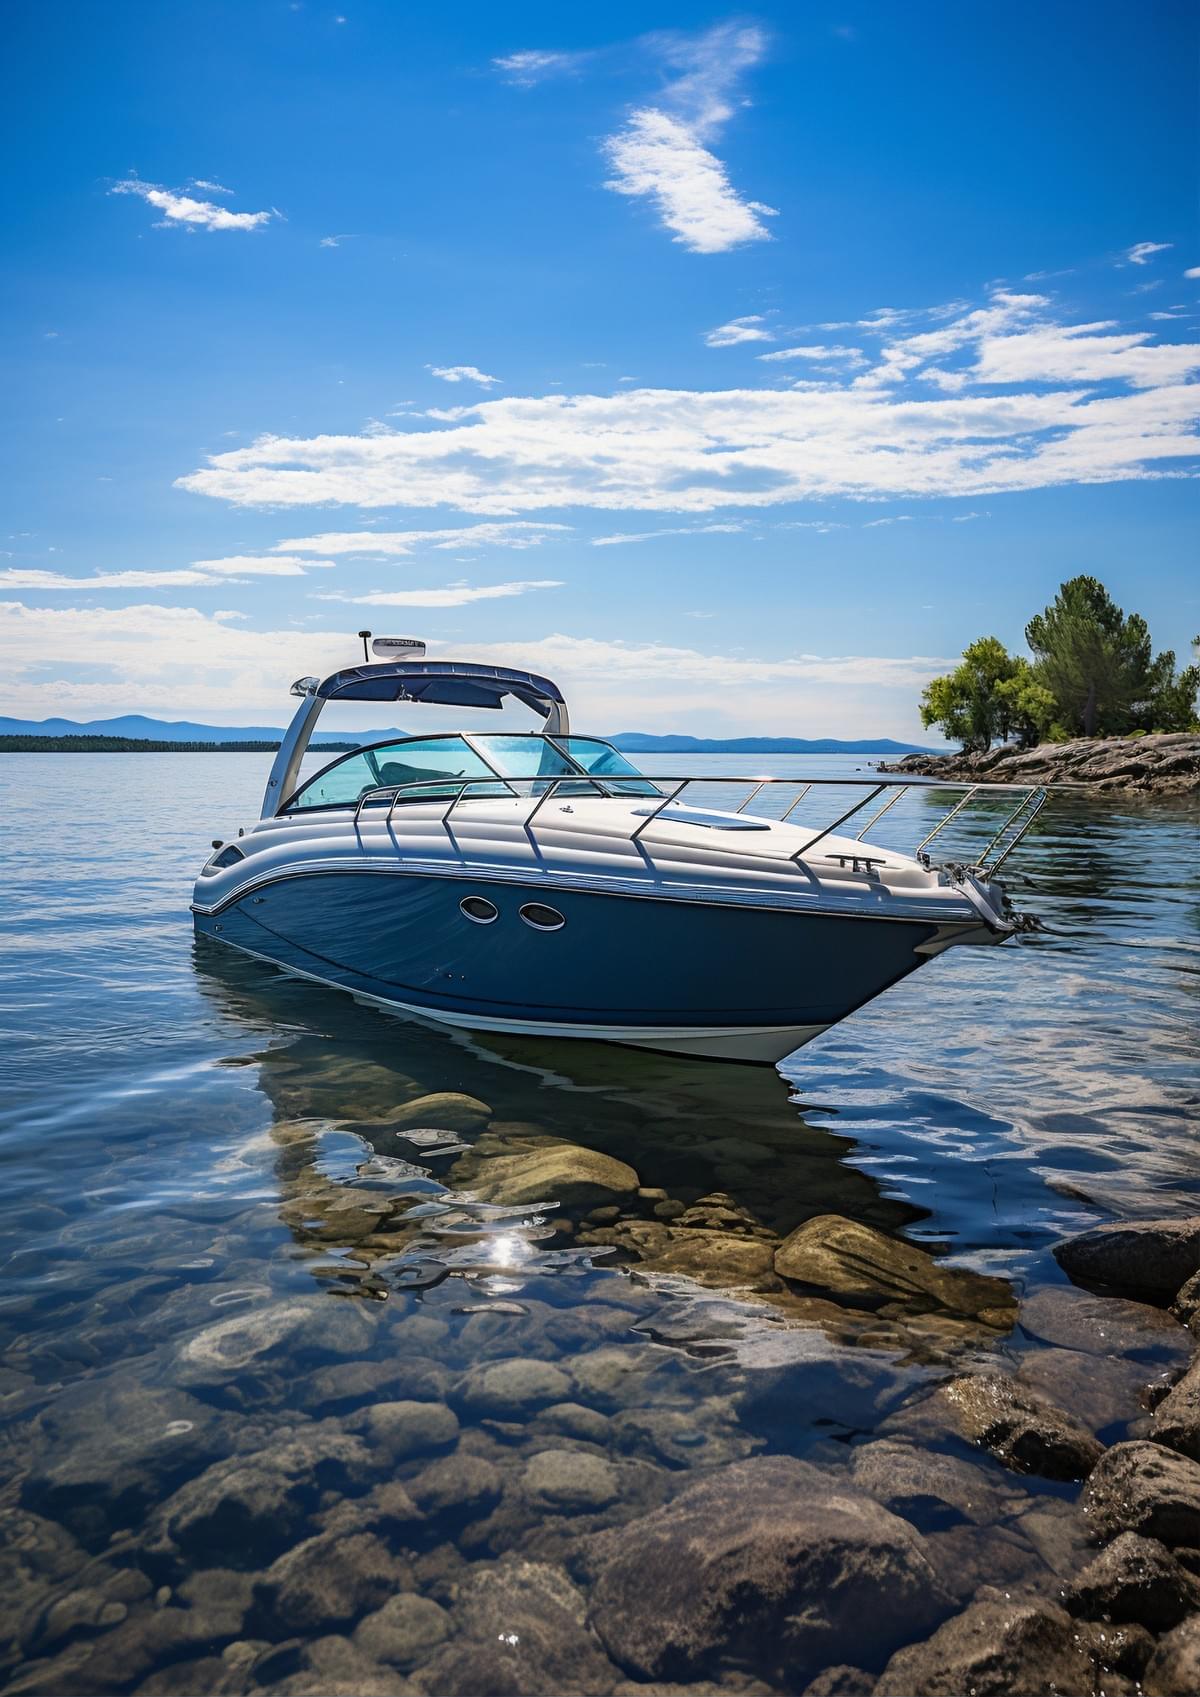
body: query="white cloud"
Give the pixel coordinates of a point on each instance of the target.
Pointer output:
(179, 661)
(748, 329)
(1095, 405)
(896, 518)
(534, 65)
(1192, 271)
(854, 355)
(653, 535)
(660, 152)
(182, 210)
(514, 533)
(462, 374)
(455, 595)
(209, 187)
(335, 241)
(235, 569)
(659, 156)
(1142, 252)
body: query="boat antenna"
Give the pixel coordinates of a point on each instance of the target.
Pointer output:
(366, 637)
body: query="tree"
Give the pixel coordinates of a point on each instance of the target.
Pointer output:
(970, 703)
(1028, 709)
(1100, 666)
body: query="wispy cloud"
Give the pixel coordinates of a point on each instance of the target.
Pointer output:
(661, 152)
(895, 518)
(1192, 271)
(237, 568)
(208, 187)
(748, 329)
(1141, 253)
(535, 65)
(336, 241)
(183, 211)
(455, 595)
(816, 352)
(514, 533)
(462, 374)
(623, 536)
(1038, 403)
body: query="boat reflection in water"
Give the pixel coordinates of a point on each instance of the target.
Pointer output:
(539, 884)
(415, 1159)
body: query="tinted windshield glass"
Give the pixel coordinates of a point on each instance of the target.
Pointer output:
(605, 761)
(524, 756)
(435, 767)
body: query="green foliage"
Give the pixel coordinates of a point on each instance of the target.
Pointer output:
(1099, 665)
(1094, 673)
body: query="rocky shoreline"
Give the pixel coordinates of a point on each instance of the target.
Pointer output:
(1167, 764)
(452, 1484)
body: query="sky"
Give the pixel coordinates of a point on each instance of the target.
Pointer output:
(735, 369)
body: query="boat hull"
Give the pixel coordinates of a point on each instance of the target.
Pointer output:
(702, 978)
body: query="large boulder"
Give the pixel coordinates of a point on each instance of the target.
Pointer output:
(330, 1579)
(865, 1267)
(1176, 1420)
(1149, 1259)
(1147, 1488)
(768, 1563)
(549, 1171)
(1022, 1431)
(1135, 1580)
(920, 1485)
(998, 1648)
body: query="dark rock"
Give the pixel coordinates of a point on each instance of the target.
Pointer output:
(767, 1562)
(1176, 1420)
(861, 1265)
(1124, 1649)
(106, 1448)
(967, 1557)
(127, 1654)
(1144, 1487)
(1101, 1393)
(1186, 1306)
(994, 1649)
(410, 1428)
(840, 1681)
(405, 1631)
(1019, 1429)
(1174, 1668)
(457, 1483)
(336, 1667)
(522, 1632)
(330, 1579)
(203, 1676)
(1150, 1259)
(1106, 1326)
(1135, 1580)
(564, 1481)
(921, 1485)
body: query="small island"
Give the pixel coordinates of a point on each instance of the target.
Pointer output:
(1094, 706)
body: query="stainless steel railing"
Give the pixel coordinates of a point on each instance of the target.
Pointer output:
(1032, 799)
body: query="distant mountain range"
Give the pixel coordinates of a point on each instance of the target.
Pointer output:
(633, 742)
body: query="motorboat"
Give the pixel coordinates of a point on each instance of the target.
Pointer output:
(538, 883)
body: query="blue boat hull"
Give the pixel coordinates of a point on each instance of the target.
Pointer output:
(701, 977)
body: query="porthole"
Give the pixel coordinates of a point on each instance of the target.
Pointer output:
(542, 918)
(479, 909)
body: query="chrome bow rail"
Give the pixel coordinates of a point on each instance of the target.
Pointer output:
(1032, 799)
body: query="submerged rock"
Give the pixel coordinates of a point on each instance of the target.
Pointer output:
(456, 1484)
(330, 1579)
(507, 1389)
(1105, 1326)
(1176, 1420)
(565, 1480)
(1174, 1668)
(1147, 1488)
(405, 1631)
(1020, 1430)
(1135, 1580)
(411, 1428)
(550, 1170)
(447, 1110)
(1186, 1306)
(726, 1260)
(862, 1265)
(999, 1648)
(921, 1485)
(767, 1563)
(520, 1628)
(1150, 1259)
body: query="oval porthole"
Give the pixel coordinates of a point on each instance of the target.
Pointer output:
(479, 909)
(542, 918)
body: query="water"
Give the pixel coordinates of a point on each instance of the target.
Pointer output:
(222, 1255)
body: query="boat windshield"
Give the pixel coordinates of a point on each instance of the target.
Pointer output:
(436, 768)
(558, 758)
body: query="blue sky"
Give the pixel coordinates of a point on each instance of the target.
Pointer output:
(858, 326)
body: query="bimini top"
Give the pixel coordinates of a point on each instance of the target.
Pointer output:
(443, 683)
